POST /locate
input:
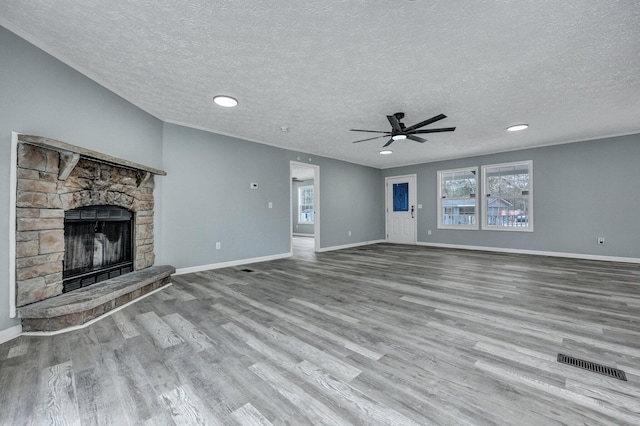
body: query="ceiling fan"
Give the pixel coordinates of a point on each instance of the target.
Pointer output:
(399, 131)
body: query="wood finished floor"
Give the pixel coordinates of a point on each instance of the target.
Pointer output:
(382, 334)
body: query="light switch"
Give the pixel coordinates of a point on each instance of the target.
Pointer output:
(270, 205)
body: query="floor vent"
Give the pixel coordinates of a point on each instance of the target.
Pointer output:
(592, 366)
(246, 270)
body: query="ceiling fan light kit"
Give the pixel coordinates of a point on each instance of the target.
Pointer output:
(400, 132)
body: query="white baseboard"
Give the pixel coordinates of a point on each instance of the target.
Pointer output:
(239, 262)
(536, 252)
(10, 333)
(298, 234)
(346, 246)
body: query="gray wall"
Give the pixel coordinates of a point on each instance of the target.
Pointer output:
(299, 228)
(581, 191)
(208, 199)
(41, 96)
(346, 196)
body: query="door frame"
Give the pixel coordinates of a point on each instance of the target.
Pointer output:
(316, 203)
(413, 195)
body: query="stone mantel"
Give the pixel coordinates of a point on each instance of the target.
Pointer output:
(68, 150)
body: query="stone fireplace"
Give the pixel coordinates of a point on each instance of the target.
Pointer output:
(84, 223)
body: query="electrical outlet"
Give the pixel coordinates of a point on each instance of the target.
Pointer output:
(270, 205)
(429, 232)
(218, 245)
(601, 241)
(349, 233)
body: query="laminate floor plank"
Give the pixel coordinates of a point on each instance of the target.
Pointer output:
(248, 415)
(303, 323)
(162, 334)
(97, 402)
(186, 408)
(315, 410)
(422, 402)
(189, 333)
(233, 362)
(20, 347)
(290, 344)
(28, 388)
(59, 405)
(322, 309)
(94, 344)
(177, 293)
(365, 409)
(125, 324)
(379, 334)
(131, 383)
(9, 380)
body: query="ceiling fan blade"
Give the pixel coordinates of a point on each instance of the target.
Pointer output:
(369, 139)
(370, 131)
(388, 143)
(443, 129)
(425, 122)
(395, 124)
(416, 138)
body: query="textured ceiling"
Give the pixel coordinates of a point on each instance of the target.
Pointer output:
(570, 69)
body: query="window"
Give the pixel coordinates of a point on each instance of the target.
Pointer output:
(508, 196)
(305, 204)
(401, 197)
(457, 191)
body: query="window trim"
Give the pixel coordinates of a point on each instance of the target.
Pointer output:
(300, 188)
(441, 225)
(485, 211)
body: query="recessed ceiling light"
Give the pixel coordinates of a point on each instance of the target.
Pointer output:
(386, 152)
(225, 101)
(517, 127)
(398, 137)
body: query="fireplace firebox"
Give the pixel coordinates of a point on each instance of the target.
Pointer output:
(98, 245)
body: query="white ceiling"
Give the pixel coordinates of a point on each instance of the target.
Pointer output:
(571, 69)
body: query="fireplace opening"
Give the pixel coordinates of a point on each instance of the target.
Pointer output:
(98, 245)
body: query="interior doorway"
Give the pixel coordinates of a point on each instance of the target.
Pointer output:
(305, 208)
(401, 209)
